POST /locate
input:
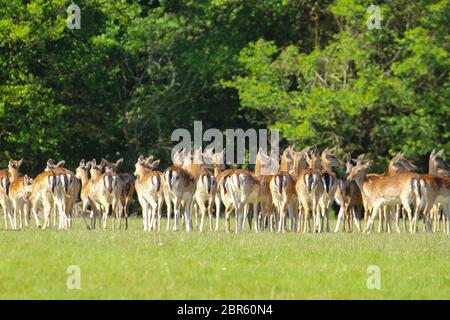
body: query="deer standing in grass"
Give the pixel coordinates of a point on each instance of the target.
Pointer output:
(70, 189)
(87, 200)
(127, 183)
(179, 189)
(282, 190)
(19, 194)
(106, 192)
(348, 196)
(329, 182)
(8, 176)
(43, 194)
(205, 189)
(309, 187)
(397, 165)
(265, 168)
(149, 191)
(221, 176)
(437, 195)
(402, 188)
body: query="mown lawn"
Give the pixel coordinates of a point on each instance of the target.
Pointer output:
(167, 265)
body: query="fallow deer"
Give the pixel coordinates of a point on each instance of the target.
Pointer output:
(329, 182)
(282, 190)
(179, 189)
(71, 188)
(19, 194)
(265, 168)
(221, 176)
(128, 186)
(106, 192)
(43, 194)
(244, 188)
(149, 191)
(205, 188)
(402, 188)
(8, 176)
(87, 200)
(309, 187)
(348, 197)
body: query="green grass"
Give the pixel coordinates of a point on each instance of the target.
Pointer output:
(167, 265)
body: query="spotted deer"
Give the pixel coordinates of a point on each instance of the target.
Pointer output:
(128, 185)
(330, 183)
(43, 195)
(179, 188)
(8, 176)
(19, 194)
(265, 168)
(348, 197)
(205, 188)
(106, 192)
(70, 189)
(87, 200)
(243, 187)
(309, 187)
(402, 188)
(221, 177)
(437, 195)
(149, 191)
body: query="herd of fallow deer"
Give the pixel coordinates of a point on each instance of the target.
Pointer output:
(295, 192)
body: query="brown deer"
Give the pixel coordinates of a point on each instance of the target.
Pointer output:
(8, 176)
(221, 176)
(438, 189)
(402, 188)
(205, 188)
(19, 194)
(309, 187)
(282, 189)
(128, 186)
(149, 191)
(71, 188)
(329, 182)
(243, 187)
(43, 194)
(179, 187)
(265, 168)
(87, 200)
(106, 191)
(349, 198)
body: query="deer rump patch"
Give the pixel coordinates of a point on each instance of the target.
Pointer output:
(109, 182)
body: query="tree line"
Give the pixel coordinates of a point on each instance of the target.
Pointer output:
(137, 70)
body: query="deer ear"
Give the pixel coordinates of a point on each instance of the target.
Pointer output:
(432, 154)
(88, 165)
(119, 162)
(94, 162)
(82, 163)
(19, 163)
(155, 164)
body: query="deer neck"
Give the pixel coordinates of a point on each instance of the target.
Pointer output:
(13, 175)
(84, 178)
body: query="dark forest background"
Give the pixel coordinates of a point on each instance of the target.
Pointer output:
(137, 70)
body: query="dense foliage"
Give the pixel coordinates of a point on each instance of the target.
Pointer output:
(137, 70)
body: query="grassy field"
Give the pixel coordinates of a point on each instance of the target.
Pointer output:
(168, 265)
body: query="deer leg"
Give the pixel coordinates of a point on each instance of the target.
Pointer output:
(202, 208)
(340, 215)
(217, 203)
